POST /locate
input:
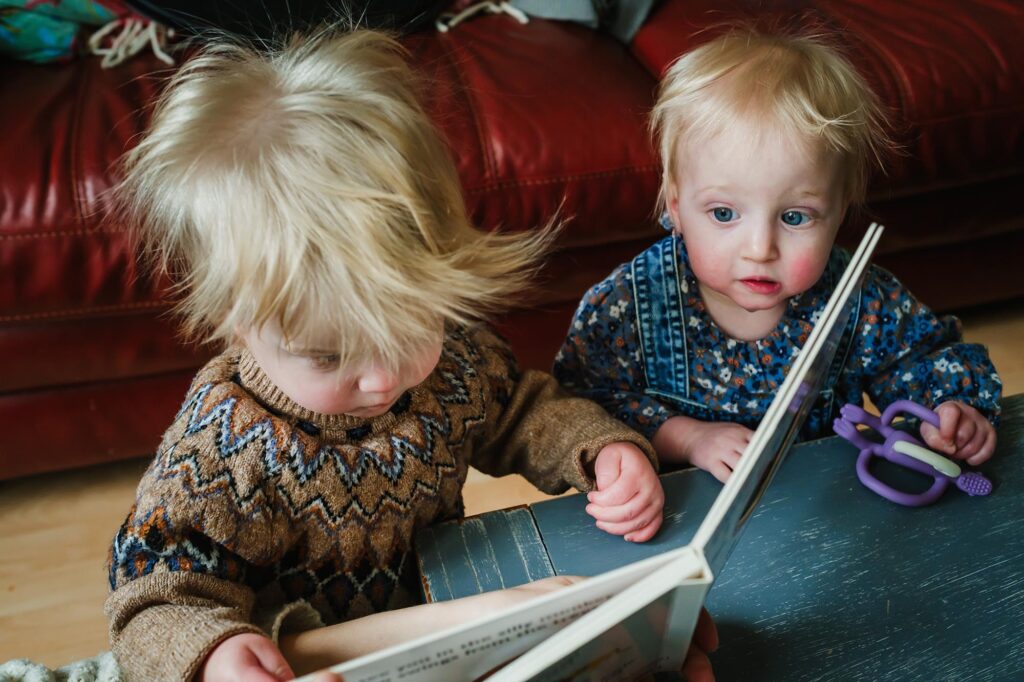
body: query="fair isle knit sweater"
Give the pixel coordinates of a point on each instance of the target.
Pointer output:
(258, 515)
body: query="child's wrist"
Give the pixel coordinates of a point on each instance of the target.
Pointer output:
(673, 441)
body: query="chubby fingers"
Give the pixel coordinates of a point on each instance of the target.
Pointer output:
(639, 517)
(723, 463)
(943, 438)
(969, 439)
(607, 467)
(633, 508)
(637, 520)
(616, 493)
(934, 439)
(966, 432)
(646, 532)
(637, 529)
(981, 448)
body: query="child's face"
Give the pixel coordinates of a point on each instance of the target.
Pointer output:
(312, 378)
(758, 220)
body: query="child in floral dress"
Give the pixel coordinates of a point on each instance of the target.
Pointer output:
(765, 141)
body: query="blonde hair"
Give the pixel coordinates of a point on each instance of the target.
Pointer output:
(306, 186)
(796, 83)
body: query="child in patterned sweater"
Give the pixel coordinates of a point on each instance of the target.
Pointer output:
(765, 143)
(315, 223)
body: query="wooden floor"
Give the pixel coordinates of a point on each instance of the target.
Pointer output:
(55, 529)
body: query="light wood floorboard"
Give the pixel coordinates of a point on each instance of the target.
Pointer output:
(55, 528)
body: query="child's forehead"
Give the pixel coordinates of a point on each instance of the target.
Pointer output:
(745, 160)
(750, 141)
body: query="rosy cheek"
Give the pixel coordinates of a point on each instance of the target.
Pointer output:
(805, 271)
(708, 266)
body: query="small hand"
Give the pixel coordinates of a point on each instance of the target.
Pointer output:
(248, 657)
(716, 447)
(963, 433)
(629, 498)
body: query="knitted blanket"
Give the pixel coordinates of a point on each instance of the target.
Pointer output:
(102, 668)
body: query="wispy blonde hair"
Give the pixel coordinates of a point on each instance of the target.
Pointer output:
(795, 83)
(306, 186)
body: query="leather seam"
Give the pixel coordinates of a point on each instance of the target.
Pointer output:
(637, 170)
(58, 233)
(485, 150)
(77, 312)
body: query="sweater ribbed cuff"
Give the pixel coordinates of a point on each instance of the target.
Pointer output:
(596, 438)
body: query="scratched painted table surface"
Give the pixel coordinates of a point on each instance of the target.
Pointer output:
(828, 582)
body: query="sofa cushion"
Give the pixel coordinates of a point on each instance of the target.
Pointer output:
(65, 125)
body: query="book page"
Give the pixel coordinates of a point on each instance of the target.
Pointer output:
(641, 631)
(480, 647)
(764, 453)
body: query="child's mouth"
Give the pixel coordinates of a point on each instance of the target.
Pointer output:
(762, 286)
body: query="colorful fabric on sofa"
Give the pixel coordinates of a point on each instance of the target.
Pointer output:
(50, 30)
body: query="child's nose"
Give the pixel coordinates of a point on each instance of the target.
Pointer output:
(761, 245)
(378, 381)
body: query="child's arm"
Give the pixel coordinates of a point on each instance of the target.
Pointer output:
(908, 352)
(247, 657)
(180, 563)
(255, 657)
(714, 447)
(535, 428)
(600, 360)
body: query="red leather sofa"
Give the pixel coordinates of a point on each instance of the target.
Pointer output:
(540, 116)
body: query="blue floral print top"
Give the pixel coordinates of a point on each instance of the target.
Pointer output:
(894, 348)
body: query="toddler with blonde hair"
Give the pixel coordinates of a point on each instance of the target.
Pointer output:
(313, 220)
(765, 142)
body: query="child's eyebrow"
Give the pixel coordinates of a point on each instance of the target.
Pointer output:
(712, 188)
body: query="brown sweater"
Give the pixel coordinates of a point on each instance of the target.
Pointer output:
(258, 515)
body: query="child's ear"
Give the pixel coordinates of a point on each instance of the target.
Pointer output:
(672, 202)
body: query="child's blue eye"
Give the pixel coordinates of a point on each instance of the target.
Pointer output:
(723, 214)
(795, 218)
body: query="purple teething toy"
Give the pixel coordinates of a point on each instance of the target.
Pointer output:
(903, 449)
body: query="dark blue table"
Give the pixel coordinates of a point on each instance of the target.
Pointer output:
(828, 582)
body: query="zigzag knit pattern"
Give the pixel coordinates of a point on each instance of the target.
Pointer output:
(299, 510)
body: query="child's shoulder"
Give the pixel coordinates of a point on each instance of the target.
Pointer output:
(877, 283)
(617, 288)
(877, 280)
(219, 398)
(473, 349)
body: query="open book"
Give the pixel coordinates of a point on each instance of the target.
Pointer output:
(639, 618)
